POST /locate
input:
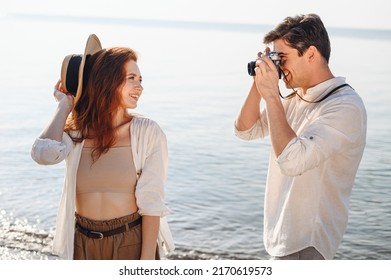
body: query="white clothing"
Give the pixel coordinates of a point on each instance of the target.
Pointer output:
(308, 186)
(150, 156)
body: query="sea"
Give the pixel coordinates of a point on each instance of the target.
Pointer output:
(195, 81)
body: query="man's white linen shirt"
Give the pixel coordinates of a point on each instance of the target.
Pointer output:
(308, 186)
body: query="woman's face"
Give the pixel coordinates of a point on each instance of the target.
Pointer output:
(132, 88)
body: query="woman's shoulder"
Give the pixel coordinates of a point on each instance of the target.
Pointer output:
(147, 131)
(140, 122)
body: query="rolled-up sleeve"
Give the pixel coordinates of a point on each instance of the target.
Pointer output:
(259, 130)
(150, 185)
(48, 151)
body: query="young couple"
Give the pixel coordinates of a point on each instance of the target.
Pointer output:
(112, 205)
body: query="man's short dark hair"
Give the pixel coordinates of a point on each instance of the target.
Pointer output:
(301, 32)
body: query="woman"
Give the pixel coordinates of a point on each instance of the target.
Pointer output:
(112, 205)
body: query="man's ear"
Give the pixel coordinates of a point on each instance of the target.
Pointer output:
(311, 53)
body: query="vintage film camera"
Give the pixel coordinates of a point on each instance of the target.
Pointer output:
(273, 56)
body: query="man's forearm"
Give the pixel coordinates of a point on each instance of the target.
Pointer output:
(250, 111)
(280, 131)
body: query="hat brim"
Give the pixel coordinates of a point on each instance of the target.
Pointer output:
(72, 68)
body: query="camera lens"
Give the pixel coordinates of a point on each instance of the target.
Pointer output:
(251, 68)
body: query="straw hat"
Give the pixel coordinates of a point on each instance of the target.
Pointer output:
(73, 67)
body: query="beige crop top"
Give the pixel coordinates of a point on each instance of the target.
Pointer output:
(113, 172)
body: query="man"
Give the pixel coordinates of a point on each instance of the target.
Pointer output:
(318, 136)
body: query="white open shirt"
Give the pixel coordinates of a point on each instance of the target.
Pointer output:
(149, 148)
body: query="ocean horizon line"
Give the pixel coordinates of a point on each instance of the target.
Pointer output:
(384, 34)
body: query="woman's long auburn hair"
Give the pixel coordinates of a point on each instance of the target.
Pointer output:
(93, 114)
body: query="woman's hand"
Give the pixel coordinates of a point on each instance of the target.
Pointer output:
(65, 100)
(55, 129)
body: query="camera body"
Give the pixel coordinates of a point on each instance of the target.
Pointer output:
(273, 56)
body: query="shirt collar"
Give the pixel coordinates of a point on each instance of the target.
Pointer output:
(320, 90)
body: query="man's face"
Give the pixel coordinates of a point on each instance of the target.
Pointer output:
(292, 65)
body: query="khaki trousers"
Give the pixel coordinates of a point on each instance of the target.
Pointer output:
(121, 246)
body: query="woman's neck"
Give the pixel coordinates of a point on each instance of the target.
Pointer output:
(120, 118)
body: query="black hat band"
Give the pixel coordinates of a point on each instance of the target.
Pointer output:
(72, 76)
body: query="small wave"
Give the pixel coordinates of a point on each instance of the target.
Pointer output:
(20, 240)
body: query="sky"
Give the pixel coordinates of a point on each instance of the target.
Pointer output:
(343, 13)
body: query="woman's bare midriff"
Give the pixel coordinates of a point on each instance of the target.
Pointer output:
(105, 206)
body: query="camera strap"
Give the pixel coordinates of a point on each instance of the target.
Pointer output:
(318, 101)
